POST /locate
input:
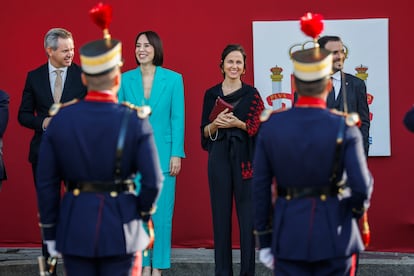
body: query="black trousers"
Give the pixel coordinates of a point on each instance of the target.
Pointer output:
(226, 184)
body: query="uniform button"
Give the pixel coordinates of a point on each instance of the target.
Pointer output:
(113, 194)
(323, 197)
(76, 192)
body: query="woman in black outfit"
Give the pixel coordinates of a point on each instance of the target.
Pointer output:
(229, 140)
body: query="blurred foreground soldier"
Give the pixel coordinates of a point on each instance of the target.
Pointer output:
(309, 151)
(4, 119)
(96, 146)
(409, 120)
(56, 81)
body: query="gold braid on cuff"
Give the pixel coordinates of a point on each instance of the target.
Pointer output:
(264, 232)
(47, 225)
(149, 213)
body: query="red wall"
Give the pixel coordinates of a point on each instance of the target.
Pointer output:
(194, 34)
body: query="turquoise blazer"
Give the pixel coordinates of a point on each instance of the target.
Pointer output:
(167, 105)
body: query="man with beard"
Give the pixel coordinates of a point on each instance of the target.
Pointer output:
(356, 91)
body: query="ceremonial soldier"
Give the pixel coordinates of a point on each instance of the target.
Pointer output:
(309, 151)
(97, 146)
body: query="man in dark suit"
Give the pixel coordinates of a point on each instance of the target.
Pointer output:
(409, 119)
(4, 119)
(356, 90)
(97, 146)
(312, 228)
(57, 81)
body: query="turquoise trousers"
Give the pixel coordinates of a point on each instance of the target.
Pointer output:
(160, 256)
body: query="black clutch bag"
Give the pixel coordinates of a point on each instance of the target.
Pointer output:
(219, 107)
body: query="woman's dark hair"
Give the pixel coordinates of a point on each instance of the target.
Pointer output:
(230, 48)
(156, 42)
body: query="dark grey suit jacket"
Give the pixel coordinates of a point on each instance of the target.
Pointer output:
(37, 98)
(356, 92)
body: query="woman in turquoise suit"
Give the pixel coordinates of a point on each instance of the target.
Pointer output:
(162, 90)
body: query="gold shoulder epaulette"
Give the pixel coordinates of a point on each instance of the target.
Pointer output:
(49, 225)
(264, 232)
(337, 112)
(266, 113)
(351, 119)
(142, 111)
(54, 109)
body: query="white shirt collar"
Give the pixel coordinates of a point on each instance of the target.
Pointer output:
(337, 75)
(52, 68)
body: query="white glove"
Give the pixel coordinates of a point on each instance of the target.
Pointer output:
(51, 248)
(266, 257)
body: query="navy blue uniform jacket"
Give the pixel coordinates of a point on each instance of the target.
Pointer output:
(80, 145)
(297, 148)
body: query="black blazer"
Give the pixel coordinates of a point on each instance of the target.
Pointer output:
(356, 92)
(37, 98)
(4, 119)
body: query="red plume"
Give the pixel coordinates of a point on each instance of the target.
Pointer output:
(311, 24)
(366, 233)
(101, 14)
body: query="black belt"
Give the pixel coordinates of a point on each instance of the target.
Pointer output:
(100, 186)
(302, 192)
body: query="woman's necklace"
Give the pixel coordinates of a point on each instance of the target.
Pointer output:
(228, 89)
